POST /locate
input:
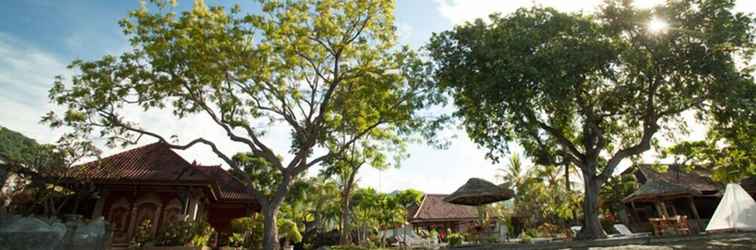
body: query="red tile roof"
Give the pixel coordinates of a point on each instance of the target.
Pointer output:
(434, 208)
(153, 162)
(230, 187)
(158, 163)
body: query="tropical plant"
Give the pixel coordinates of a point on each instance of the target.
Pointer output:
(250, 229)
(313, 205)
(541, 196)
(455, 239)
(142, 235)
(615, 190)
(203, 233)
(236, 240)
(728, 152)
(289, 231)
(593, 90)
(346, 166)
(180, 233)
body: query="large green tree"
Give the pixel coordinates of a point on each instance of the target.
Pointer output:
(299, 65)
(594, 89)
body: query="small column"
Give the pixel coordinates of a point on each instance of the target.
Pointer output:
(100, 204)
(695, 214)
(194, 203)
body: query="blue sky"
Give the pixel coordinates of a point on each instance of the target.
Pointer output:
(38, 38)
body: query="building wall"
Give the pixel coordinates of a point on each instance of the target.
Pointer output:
(127, 210)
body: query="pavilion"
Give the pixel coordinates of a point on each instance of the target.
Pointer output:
(154, 183)
(675, 192)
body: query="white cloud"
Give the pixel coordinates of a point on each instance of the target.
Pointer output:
(26, 73)
(460, 11)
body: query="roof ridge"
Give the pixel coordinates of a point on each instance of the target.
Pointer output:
(206, 166)
(127, 151)
(419, 207)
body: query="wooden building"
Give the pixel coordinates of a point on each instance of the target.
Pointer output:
(154, 183)
(675, 192)
(435, 213)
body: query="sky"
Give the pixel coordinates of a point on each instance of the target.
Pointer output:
(38, 38)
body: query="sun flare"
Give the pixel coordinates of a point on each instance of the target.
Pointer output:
(657, 25)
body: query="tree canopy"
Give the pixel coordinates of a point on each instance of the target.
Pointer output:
(322, 69)
(594, 89)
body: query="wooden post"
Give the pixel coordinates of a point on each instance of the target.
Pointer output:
(695, 214)
(635, 213)
(664, 209)
(674, 210)
(659, 211)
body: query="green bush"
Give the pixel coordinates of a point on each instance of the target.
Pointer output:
(289, 230)
(455, 239)
(250, 229)
(203, 233)
(236, 240)
(143, 235)
(526, 238)
(178, 233)
(347, 247)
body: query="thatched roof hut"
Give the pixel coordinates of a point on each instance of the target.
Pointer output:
(478, 192)
(655, 189)
(433, 212)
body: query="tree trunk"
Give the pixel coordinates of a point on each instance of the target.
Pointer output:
(346, 194)
(270, 229)
(345, 238)
(591, 225)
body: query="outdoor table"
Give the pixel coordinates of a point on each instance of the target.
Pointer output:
(664, 223)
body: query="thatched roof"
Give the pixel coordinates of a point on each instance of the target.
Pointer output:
(697, 180)
(433, 208)
(656, 189)
(478, 192)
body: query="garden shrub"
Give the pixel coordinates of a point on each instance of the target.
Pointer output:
(548, 229)
(142, 236)
(203, 233)
(178, 233)
(454, 239)
(347, 247)
(250, 229)
(526, 238)
(236, 240)
(289, 230)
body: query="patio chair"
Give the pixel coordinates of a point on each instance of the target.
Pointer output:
(682, 225)
(624, 231)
